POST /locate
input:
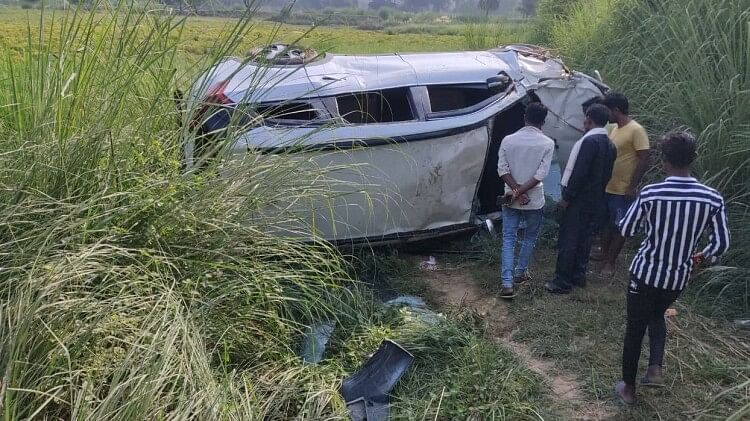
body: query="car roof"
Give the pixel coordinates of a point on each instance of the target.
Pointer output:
(340, 74)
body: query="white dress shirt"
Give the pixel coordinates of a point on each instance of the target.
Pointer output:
(526, 154)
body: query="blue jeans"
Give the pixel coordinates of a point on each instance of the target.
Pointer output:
(511, 223)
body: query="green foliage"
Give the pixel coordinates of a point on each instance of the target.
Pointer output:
(683, 64)
(548, 13)
(482, 36)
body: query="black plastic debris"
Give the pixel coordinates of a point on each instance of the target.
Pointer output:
(366, 410)
(315, 341)
(367, 390)
(357, 409)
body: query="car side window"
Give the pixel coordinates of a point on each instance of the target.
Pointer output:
(454, 98)
(382, 106)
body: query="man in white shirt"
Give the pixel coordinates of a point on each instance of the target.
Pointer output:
(524, 160)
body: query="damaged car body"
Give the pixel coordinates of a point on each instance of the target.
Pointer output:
(427, 127)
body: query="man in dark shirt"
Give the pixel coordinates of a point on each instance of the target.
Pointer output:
(582, 201)
(674, 214)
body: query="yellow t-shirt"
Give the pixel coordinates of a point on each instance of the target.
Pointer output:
(628, 139)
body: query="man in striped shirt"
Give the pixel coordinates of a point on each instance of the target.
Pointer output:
(674, 214)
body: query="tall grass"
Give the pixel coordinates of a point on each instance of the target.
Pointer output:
(683, 63)
(482, 36)
(129, 290)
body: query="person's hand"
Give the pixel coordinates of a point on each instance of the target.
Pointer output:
(524, 199)
(631, 192)
(699, 259)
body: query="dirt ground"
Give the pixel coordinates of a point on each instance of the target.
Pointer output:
(574, 342)
(454, 286)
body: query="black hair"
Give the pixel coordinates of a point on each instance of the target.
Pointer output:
(536, 113)
(599, 114)
(679, 148)
(617, 100)
(591, 101)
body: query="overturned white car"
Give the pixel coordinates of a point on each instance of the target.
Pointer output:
(427, 127)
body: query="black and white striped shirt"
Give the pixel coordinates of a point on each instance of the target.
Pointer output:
(675, 214)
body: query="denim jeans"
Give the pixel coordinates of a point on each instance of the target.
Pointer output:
(511, 222)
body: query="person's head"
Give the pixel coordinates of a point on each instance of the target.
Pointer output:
(618, 105)
(535, 115)
(589, 102)
(678, 151)
(597, 115)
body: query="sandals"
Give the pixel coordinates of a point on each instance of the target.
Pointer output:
(651, 383)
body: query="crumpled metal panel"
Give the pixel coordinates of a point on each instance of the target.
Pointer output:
(401, 188)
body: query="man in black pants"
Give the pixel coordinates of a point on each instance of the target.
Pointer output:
(675, 213)
(583, 199)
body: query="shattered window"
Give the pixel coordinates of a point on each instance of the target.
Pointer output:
(384, 106)
(288, 111)
(456, 97)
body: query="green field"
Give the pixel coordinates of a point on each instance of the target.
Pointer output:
(201, 33)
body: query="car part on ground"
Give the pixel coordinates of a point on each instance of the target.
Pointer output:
(366, 392)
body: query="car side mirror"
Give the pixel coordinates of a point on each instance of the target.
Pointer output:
(499, 83)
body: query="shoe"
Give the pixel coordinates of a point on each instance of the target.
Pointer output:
(597, 256)
(625, 393)
(554, 288)
(507, 293)
(654, 377)
(522, 279)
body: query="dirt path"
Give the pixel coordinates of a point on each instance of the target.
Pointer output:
(454, 286)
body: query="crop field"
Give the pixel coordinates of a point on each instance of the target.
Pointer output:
(130, 290)
(200, 34)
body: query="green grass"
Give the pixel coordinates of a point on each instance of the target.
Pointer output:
(582, 334)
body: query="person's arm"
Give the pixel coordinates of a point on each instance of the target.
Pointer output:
(503, 169)
(718, 240)
(631, 222)
(642, 152)
(580, 171)
(541, 172)
(511, 182)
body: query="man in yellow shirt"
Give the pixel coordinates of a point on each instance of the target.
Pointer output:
(632, 161)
